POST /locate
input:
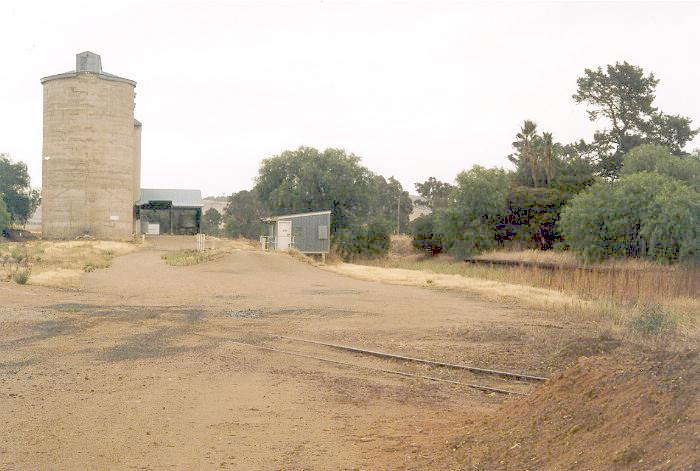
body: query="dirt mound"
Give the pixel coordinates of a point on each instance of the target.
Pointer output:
(608, 412)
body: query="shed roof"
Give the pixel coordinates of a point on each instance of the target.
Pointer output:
(179, 198)
(297, 215)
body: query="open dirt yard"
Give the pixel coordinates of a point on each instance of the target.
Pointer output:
(151, 366)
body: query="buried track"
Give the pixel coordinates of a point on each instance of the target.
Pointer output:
(504, 375)
(472, 369)
(379, 370)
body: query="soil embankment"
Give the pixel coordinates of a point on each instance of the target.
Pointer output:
(627, 411)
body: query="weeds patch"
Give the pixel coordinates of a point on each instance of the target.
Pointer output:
(59, 263)
(652, 321)
(21, 276)
(181, 258)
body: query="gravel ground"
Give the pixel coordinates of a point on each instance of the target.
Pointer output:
(136, 368)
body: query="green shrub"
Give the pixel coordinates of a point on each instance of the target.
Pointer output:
(656, 158)
(477, 208)
(96, 265)
(641, 215)
(4, 215)
(673, 232)
(21, 276)
(424, 235)
(367, 240)
(533, 216)
(652, 320)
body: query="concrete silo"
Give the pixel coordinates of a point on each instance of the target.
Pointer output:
(91, 153)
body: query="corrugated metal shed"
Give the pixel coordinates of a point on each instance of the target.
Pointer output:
(310, 232)
(179, 198)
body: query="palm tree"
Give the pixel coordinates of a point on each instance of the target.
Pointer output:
(549, 170)
(526, 135)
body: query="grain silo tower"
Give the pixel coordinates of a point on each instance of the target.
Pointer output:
(91, 153)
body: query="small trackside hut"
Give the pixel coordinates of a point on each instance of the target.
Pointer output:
(309, 233)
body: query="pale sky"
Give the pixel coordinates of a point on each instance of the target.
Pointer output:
(415, 89)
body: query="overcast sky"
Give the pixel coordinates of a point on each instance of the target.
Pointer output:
(415, 89)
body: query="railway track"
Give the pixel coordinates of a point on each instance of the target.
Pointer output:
(482, 379)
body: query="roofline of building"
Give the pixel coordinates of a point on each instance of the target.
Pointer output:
(140, 203)
(296, 215)
(101, 75)
(170, 189)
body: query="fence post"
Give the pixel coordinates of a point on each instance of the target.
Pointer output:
(200, 238)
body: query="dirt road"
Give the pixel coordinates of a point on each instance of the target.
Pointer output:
(139, 369)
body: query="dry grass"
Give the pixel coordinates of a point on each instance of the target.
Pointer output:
(568, 259)
(216, 243)
(610, 300)
(59, 264)
(294, 253)
(186, 257)
(401, 246)
(635, 282)
(533, 256)
(214, 248)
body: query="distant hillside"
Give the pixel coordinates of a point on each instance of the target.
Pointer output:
(217, 203)
(418, 209)
(223, 198)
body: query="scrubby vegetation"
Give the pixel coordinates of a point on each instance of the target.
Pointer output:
(58, 263)
(642, 214)
(185, 257)
(4, 217)
(367, 240)
(630, 192)
(21, 275)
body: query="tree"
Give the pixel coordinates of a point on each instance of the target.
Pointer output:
(434, 193)
(211, 222)
(20, 200)
(674, 132)
(533, 215)
(525, 157)
(548, 165)
(656, 158)
(630, 217)
(425, 237)
(673, 233)
(574, 168)
(388, 199)
(623, 96)
(242, 215)
(308, 180)
(472, 220)
(369, 240)
(4, 216)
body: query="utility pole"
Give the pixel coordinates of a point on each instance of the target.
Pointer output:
(398, 215)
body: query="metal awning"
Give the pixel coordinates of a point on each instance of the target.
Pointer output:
(178, 198)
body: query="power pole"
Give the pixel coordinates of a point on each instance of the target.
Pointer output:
(398, 215)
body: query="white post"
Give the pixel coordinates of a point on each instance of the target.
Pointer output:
(200, 238)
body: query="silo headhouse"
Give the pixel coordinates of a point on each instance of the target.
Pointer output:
(91, 153)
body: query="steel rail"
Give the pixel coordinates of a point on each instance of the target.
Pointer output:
(473, 369)
(381, 370)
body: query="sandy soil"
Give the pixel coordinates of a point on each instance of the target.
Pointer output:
(139, 369)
